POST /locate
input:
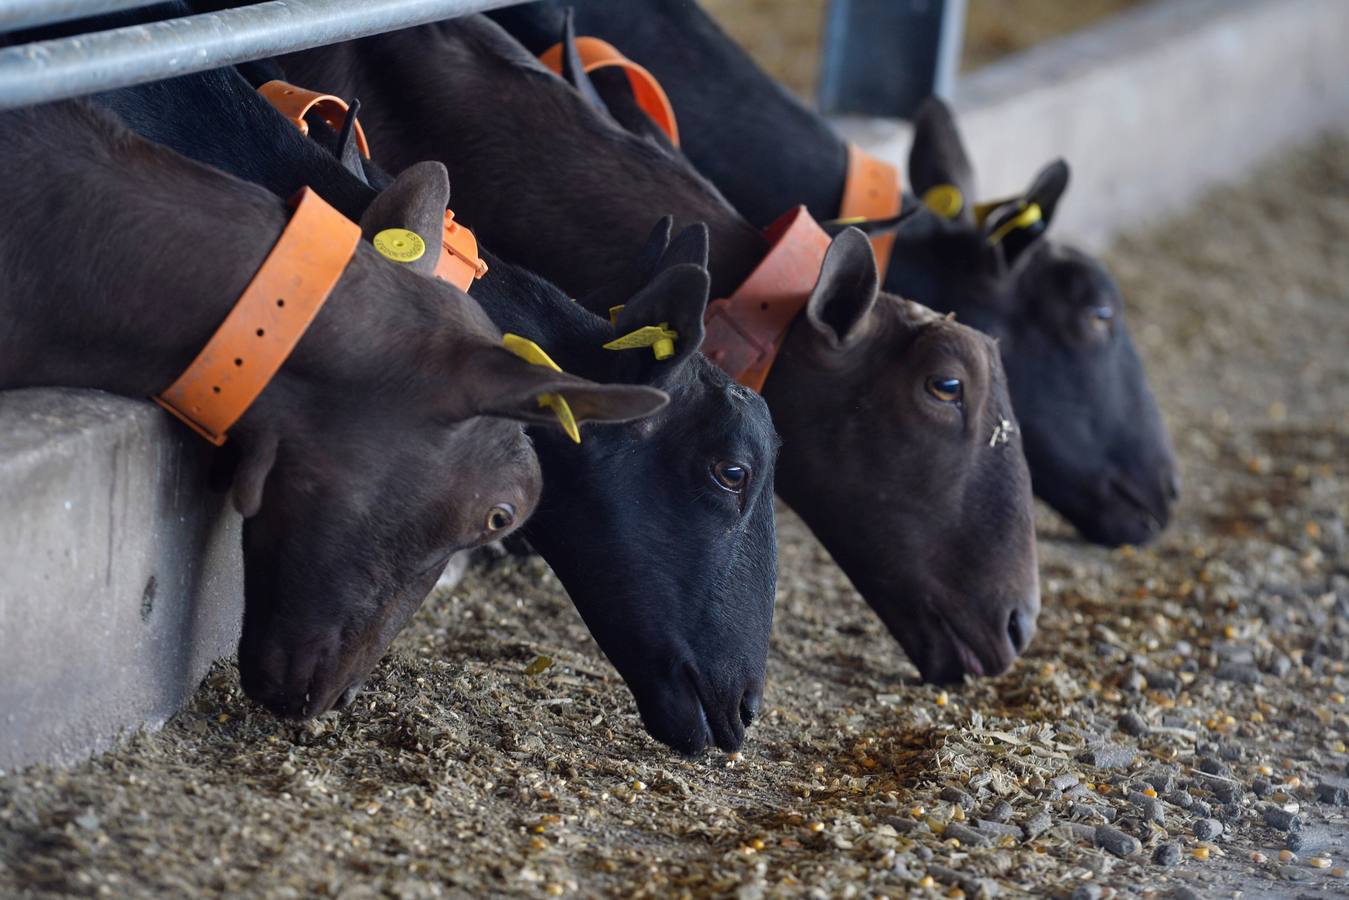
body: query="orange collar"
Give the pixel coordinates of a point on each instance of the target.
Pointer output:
(871, 191)
(459, 263)
(745, 331)
(267, 320)
(296, 102)
(598, 54)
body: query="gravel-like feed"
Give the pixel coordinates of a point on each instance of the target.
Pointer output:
(1180, 722)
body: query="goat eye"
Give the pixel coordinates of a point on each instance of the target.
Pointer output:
(1099, 319)
(945, 389)
(500, 516)
(731, 476)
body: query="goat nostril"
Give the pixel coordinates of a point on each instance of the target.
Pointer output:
(1019, 630)
(749, 708)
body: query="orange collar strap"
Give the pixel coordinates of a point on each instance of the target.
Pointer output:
(745, 331)
(267, 320)
(872, 191)
(459, 263)
(598, 54)
(295, 103)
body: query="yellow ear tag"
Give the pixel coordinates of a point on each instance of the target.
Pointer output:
(1028, 216)
(945, 200)
(400, 245)
(658, 337)
(533, 354)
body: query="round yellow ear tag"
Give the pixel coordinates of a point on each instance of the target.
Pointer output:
(945, 200)
(400, 245)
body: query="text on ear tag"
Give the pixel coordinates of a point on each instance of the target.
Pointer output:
(533, 354)
(658, 337)
(399, 245)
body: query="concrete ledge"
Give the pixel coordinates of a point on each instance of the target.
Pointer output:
(120, 573)
(1150, 108)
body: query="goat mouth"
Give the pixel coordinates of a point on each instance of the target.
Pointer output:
(1124, 490)
(969, 659)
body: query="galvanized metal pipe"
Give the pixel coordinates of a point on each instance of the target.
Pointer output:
(69, 67)
(16, 14)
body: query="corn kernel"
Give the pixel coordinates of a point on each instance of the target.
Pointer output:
(747, 850)
(1257, 857)
(1293, 781)
(538, 843)
(639, 785)
(955, 893)
(953, 843)
(1149, 792)
(917, 812)
(1319, 862)
(1337, 697)
(1048, 669)
(958, 814)
(943, 698)
(1264, 770)
(757, 843)
(1199, 853)
(816, 826)
(1229, 631)
(553, 890)
(1287, 856)
(1257, 718)
(926, 881)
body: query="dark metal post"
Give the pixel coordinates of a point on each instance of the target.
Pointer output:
(882, 57)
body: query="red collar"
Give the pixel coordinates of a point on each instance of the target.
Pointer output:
(267, 320)
(745, 331)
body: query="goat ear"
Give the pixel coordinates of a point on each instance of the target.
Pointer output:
(512, 388)
(573, 71)
(250, 476)
(676, 299)
(416, 201)
(638, 272)
(1048, 188)
(938, 155)
(348, 151)
(846, 290)
(689, 246)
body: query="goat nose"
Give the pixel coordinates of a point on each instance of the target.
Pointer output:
(750, 705)
(1020, 629)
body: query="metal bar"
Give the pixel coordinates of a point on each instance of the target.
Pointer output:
(53, 70)
(16, 14)
(883, 57)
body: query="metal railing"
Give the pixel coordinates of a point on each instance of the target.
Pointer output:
(69, 67)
